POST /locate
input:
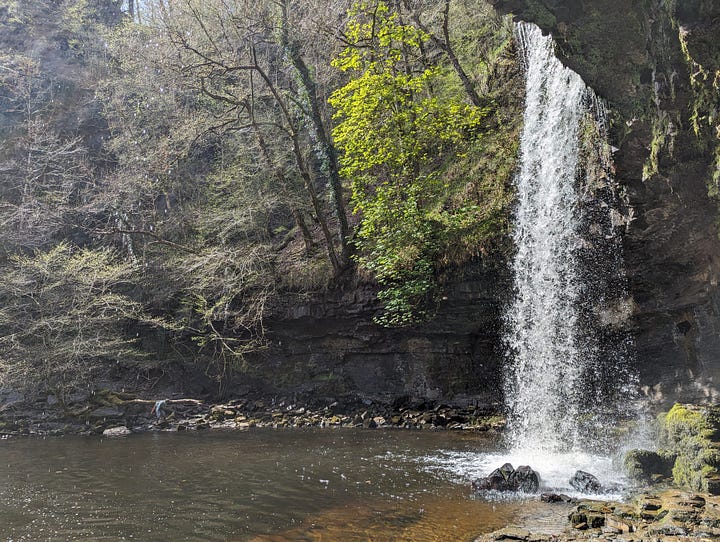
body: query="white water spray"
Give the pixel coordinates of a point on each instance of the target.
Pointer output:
(567, 378)
(551, 350)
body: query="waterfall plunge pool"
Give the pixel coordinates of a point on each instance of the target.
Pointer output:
(260, 485)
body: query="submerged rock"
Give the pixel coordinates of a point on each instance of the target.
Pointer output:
(556, 497)
(511, 533)
(506, 478)
(585, 482)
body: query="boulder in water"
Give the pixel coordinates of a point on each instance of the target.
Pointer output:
(525, 480)
(585, 482)
(506, 478)
(497, 480)
(506, 471)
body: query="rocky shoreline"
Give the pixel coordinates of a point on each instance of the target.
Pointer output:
(663, 516)
(117, 414)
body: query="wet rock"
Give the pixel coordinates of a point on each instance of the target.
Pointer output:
(650, 505)
(221, 412)
(79, 397)
(584, 482)
(692, 434)
(369, 423)
(682, 517)
(556, 497)
(497, 480)
(506, 478)
(693, 501)
(120, 431)
(106, 412)
(647, 465)
(506, 470)
(592, 513)
(511, 533)
(621, 525)
(668, 529)
(525, 479)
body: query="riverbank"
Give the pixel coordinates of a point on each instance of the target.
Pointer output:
(669, 515)
(104, 412)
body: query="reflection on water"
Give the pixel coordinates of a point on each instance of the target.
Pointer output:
(261, 485)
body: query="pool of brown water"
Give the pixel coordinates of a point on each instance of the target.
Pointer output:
(259, 485)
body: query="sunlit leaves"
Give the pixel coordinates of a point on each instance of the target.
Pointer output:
(396, 133)
(65, 316)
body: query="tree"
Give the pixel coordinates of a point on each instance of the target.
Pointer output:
(237, 57)
(396, 133)
(444, 43)
(65, 317)
(311, 108)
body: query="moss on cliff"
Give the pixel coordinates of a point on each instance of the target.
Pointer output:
(691, 433)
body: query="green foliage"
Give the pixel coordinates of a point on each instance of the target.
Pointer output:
(690, 433)
(483, 41)
(193, 147)
(66, 316)
(539, 14)
(400, 126)
(82, 22)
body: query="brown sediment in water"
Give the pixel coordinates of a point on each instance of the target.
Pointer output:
(427, 520)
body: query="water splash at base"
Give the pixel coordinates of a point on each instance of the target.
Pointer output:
(564, 386)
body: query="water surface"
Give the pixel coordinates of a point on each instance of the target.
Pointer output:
(259, 485)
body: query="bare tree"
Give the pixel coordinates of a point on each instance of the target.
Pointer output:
(233, 53)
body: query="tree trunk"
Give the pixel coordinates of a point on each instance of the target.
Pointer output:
(326, 147)
(297, 215)
(302, 167)
(445, 46)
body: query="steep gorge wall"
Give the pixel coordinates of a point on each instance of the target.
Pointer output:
(656, 64)
(329, 348)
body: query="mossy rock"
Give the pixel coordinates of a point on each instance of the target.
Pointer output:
(690, 433)
(646, 465)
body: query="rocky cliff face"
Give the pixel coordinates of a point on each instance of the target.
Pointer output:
(657, 65)
(330, 348)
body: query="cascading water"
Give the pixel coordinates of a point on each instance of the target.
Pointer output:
(542, 322)
(567, 377)
(554, 388)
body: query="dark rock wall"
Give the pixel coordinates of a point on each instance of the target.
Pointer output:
(329, 347)
(648, 59)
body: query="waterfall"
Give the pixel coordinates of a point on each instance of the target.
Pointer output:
(564, 261)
